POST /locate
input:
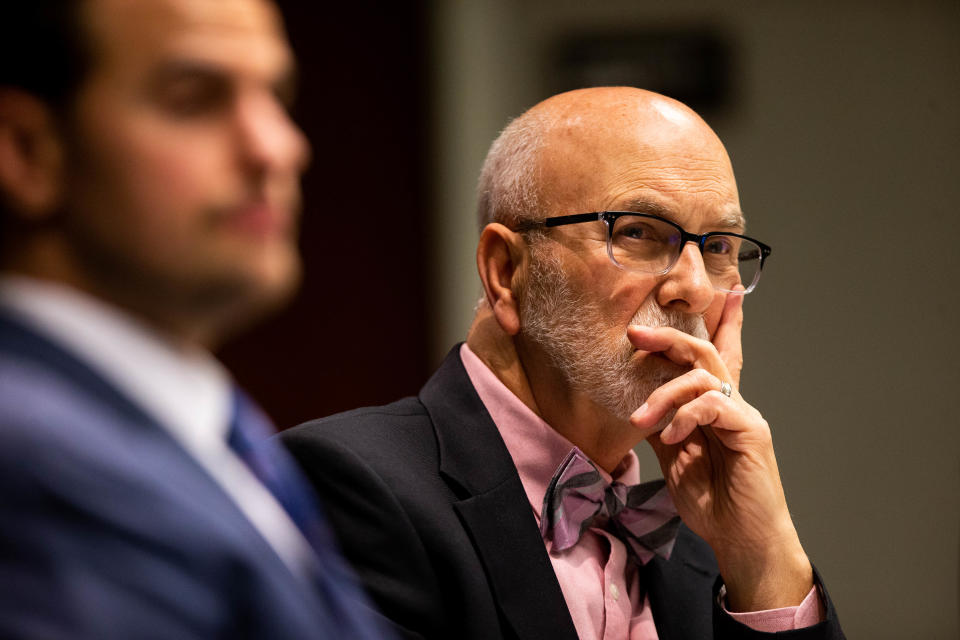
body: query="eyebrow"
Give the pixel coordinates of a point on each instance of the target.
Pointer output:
(733, 219)
(175, 69)
(284, 85)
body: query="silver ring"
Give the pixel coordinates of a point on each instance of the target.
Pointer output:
(726, 389)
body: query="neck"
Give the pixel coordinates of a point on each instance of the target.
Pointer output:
(528, 373)
(47, 261)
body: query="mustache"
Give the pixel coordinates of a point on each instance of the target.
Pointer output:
(653, 315)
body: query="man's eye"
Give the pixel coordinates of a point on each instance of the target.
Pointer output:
(191, 98)
(639, 231)
(718, 245)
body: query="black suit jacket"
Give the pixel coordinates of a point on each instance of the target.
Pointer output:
(430, 509)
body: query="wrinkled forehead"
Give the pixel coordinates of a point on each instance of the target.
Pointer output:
(130, 35)
(600, 155)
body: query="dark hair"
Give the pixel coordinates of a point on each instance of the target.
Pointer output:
(43, 50)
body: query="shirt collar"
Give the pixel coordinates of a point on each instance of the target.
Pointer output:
(186, 390)
(536, 448)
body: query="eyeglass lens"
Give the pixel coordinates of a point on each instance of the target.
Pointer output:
(647, 244)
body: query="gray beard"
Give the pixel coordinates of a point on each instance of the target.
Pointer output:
(595, 357)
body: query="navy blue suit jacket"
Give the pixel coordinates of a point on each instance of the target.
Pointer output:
(430, 509)
(109, 529)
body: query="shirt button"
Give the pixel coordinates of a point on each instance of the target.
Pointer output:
(614, 592)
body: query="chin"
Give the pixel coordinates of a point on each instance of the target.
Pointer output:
(274, 286)
(238, 300)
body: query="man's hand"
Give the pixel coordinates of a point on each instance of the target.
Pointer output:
(717, 458)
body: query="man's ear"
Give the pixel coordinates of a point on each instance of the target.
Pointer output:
(31, 155)
(500, 254)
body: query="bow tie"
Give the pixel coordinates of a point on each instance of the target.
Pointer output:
(643, 515)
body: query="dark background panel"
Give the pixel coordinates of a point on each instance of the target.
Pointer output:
(356, 332)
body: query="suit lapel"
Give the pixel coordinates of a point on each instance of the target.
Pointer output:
(18, 340)
(165, 465)
(493, 506)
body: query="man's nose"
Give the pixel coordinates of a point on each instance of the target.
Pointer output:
(269, 140)
(687, 286)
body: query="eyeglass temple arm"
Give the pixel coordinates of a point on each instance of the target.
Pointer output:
(573, 219)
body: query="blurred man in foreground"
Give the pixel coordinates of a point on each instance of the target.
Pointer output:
(149, 176)
(504, 501)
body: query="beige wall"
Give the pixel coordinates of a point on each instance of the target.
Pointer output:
(846, 140)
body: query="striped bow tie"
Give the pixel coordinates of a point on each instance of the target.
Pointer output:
(643, 516)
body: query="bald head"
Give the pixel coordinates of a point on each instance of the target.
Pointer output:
(583, 150)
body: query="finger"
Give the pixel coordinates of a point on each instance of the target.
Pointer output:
(692, 448)
(666, 454)
(730, 422)
(727, 336)
(705, 411)
(661, 340)
(678, 347)
(673, 395)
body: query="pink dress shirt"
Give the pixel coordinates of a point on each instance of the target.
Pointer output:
(598, 579)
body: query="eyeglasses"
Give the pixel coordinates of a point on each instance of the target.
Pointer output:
(650, 244)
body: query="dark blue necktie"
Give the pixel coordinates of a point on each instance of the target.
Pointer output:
(349, 613)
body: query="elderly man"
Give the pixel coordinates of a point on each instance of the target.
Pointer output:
(149, 177)
(504, 501)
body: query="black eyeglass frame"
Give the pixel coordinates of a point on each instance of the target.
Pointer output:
(609, 217)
